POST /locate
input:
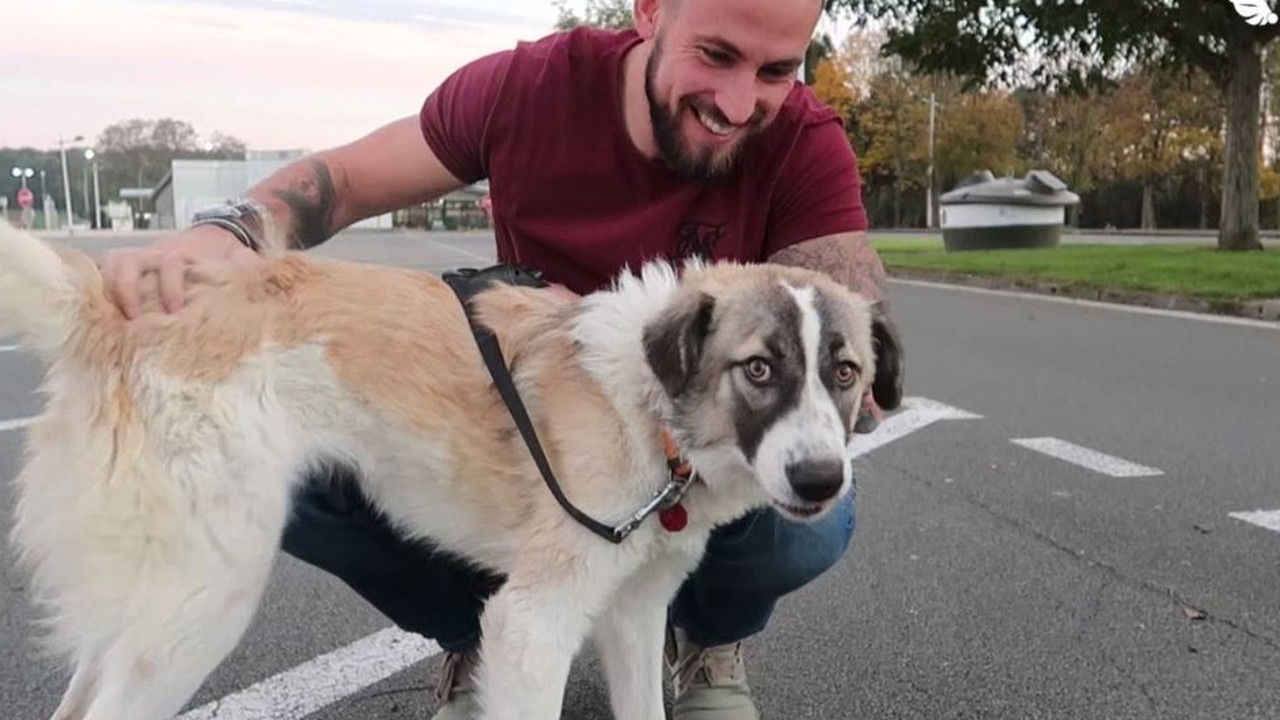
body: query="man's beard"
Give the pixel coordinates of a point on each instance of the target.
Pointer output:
(699, 165)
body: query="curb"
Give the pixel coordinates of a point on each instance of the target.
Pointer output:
(1266, 310)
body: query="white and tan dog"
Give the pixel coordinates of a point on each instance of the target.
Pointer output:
(158, 478)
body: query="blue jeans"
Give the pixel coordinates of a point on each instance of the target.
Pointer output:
(748, 566)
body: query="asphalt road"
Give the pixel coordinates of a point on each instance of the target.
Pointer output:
(987, 579)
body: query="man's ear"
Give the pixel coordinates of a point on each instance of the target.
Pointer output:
(673, 344)
(886, 387)
(644, 15)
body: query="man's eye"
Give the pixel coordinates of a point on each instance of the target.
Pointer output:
(716, 57)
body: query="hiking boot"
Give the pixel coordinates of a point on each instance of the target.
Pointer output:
(456, 691)
(708, 683)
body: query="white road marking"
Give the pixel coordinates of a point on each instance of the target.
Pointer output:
(1269, 519)
(298, 692)
(9, 348)
(15, 423)
(1119, 307)
(917, 413)
(1084, 457)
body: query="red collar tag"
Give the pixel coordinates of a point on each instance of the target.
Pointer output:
(674, 518)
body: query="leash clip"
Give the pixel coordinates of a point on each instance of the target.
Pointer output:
(666, 497)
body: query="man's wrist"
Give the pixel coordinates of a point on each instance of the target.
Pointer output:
(245, 220)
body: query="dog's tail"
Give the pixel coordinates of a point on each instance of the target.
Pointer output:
(41, 288)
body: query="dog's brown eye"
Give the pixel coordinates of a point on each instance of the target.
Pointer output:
(846, 374)
(758, 370)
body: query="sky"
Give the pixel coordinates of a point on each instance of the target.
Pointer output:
(277, 74)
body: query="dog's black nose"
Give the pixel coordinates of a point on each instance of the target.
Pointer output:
(816, 480)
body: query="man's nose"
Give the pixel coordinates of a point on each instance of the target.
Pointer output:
(737, 100)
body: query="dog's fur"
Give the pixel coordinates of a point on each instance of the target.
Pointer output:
(158, 478)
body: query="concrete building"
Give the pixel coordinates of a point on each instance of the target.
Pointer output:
(192, 185)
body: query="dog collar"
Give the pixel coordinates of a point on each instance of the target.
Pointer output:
(666, 501)
(673, 516)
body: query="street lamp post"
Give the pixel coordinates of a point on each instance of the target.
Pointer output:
(84, 172)
(928, 196)
(22, 174)
(66, 178)
(27, 212)
(97, 199)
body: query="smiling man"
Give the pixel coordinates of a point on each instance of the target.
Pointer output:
(686, 135)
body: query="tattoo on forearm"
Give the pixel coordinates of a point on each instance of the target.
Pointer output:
(849, 259)
(311, 197)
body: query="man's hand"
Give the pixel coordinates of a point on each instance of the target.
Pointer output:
(124, 268)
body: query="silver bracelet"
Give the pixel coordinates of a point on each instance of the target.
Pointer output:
(244, 219)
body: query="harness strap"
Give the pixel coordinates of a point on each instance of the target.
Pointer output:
(466, 283)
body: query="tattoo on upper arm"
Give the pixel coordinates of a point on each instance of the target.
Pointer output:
(311, 197)
(847, 258)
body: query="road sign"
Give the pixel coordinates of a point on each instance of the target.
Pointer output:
(26, 197)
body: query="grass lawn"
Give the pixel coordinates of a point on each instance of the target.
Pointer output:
(1199, 272)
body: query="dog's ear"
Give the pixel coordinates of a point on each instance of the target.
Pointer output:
(673, 344)
(886, 387)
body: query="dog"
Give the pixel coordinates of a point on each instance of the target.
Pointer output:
(158, 478)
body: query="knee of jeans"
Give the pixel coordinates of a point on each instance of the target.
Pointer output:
(809, 550)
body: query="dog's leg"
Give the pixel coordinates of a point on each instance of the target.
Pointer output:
(629, 637)
(532, 628)
(75, 701)
(153, 669)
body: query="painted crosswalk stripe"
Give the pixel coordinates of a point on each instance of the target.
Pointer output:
(320, 682)
(1086, 458)
(916, 413)
(15, 423)
(1269, 519)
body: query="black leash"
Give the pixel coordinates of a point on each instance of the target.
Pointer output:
(466, 282)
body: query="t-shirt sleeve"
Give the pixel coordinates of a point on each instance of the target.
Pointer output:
(819, 190)
(455, 117)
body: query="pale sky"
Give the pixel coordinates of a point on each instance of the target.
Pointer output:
(278, 74)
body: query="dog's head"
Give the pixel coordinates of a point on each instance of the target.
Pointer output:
(764, 367)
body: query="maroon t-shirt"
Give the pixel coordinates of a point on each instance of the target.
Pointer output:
(574, 198)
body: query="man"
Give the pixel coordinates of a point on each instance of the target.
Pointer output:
(686, 135)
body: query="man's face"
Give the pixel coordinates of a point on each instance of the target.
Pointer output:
(718, 73)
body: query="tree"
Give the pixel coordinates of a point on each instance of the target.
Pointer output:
(599, 13)
(1161, 120)
(139, 151)
(892, 123)
(820, 49)
(831, 85)
(979, 131)
(1076, 45)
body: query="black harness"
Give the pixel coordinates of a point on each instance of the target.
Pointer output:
(466, 283)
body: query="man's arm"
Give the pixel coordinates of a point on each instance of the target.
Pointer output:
(849, 259)
(311, 199)
(305, 203)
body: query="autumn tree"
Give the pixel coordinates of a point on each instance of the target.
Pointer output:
(1076, 140)
(892, 124)
(1073, 44)
(1162, 121)
(979, 131)
(831, 85)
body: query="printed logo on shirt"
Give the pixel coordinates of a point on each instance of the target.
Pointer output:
(695, 238)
